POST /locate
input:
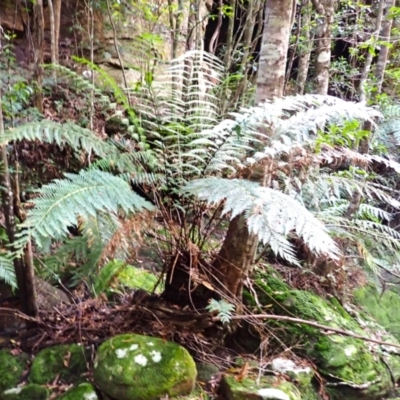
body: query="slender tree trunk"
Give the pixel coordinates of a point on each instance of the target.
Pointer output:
(24, 270)
(237, 253)
(38, 25)
(325, 8)
(304, 49)
(384, 50)
(370, 54)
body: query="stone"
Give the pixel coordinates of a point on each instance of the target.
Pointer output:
(361, 367)
(31, 391)
(11, 369)
(136, 367)
(67, 361)
(268, 387)
(84, 391)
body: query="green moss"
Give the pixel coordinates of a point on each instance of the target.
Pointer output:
(31, 391)
(249, 388)
(117, 275)
(85, 391)
(384, 308)
(11, 368)
(343, 358)
(66, 361)
(134, 366)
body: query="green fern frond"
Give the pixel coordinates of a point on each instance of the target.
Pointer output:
(69, 133)
(7, 272)
(84, 195)
(270, 214)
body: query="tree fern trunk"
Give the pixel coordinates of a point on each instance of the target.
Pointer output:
(237, 253)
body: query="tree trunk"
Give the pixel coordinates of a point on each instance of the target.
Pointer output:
(305, 49)
(234, 261)
(23, 266)
(38, 25)
(368, 59)
(384, 51)
(325, 8)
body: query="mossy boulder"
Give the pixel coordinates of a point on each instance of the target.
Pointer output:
(84, 391)
(356, 364)
(32, 391)
(136, 367)
(11, 369)
(383, 307)
(116, 276)
(268, 387)
(67, 361)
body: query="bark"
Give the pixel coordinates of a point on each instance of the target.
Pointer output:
(384, 50)
(370, 54)
(229, 36)
(236, 257)
(273, 54)
(38, 52)
(305, 50)
(325, 8)
(23, 266)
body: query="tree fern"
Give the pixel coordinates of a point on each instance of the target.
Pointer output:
(270, 214)
(69, 133)
(84, 195)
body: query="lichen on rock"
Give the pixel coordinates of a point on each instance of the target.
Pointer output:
(67, 361)
(84, 391)
(31, 391)
(130, 367)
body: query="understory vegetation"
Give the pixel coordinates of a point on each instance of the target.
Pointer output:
(238, 187)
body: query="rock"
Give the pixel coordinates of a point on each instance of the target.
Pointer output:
(116, 276)
(84, 391)
(11, 369)
(135, 367)
(383, 307)
(269, 387)
(67, 361)
(49, 296)
(356, 368)
(32, 391)
(206, 372)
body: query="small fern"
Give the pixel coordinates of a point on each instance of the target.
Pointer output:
(7, 272)
(223, 308)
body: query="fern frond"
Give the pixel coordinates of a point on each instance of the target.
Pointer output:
(7, 272)
(84, 195)
(270, 214)
(69, 133)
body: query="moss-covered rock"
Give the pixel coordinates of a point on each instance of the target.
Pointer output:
(68, 362)
(383, 307)
(32, 391)
(11, 368)
(357, 365)
(130, 367)
(269, 387)
(84, 391)
(116, 276)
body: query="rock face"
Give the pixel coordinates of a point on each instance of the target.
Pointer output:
(135, 367)
(354, 369)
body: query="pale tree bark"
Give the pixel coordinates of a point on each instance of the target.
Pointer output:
(237, 253)
(384, 50)
(370, 54)
(305, 48)
(38, 39)
(325, 9)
